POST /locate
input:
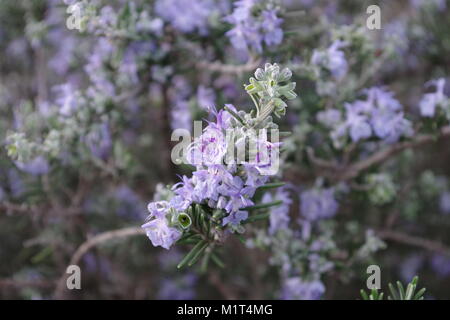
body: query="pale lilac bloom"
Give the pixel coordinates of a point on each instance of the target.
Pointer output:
(160, 233)
(235, 218)
(357, 123)
(390, 126)
(295, 288)
(209, 148)
(380, 115)
(250, 31)
(158, 209)
(273, 34)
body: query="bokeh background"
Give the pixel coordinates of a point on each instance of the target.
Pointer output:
(85, 123)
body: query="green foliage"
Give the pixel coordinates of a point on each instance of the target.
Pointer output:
(397, 293)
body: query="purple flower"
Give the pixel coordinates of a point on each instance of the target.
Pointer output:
(208, 149)
(296, 289)
(357, 123)
(186, 16)
(390, 126)
(273, 34)
(37, 166)
(251, 31)
(235, 218)
(380, 114)
(318, 204)
(160, 234)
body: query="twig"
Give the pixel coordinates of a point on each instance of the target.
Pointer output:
(321, 163)
(430, 245)
(353, 170)
(92, 242)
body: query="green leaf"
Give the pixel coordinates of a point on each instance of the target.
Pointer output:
(271, 185)
(393, 292)
(256, 217)
(401, 290)
(217, 260)
(263, 205)
(200, 246)
(198, 254)
(364, 295)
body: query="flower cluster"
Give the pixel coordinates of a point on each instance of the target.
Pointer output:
(254, 22)
(187, 16)
(379, 115)
(222, 184)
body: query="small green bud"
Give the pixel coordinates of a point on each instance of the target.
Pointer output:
(184, 220)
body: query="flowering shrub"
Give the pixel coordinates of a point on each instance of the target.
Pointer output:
(277, 196)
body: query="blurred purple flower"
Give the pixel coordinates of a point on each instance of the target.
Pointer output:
(235, 218)
(444, 202)
(205, 97)
(279, 215)
(37, 166)
(430, 101)
(441, 265)
(179, 287)
(99, 141)
(296, 289)
(318, 204)
(332, 59)
(66, 99)
(186, 16)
